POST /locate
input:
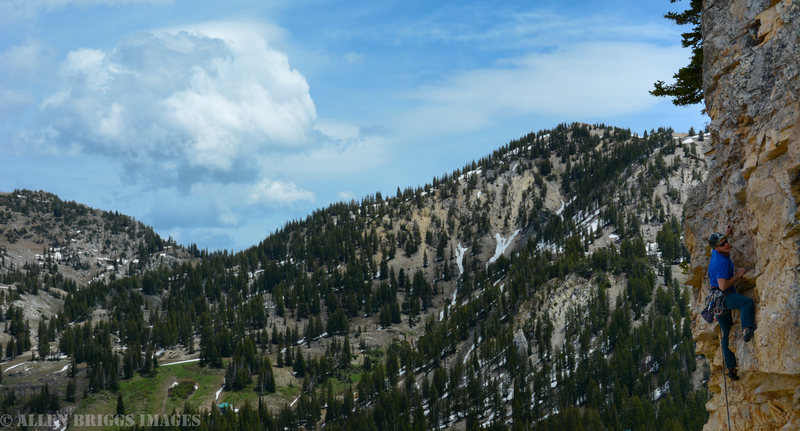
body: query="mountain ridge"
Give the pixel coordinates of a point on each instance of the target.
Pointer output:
(359, 270)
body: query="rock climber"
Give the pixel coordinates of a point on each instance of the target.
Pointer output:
(722, 276)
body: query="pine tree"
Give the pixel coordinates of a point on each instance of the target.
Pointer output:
(147, 362)
(688, 86)
(266, 378)
(11, 349)
(299, 364)
(385, 319)
(120, 405)
(69, 395)
(44, 340)
(345, 358)
(384, 269)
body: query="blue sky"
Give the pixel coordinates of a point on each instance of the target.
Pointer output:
(217, 122)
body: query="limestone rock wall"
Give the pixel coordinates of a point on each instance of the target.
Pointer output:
(752, 93)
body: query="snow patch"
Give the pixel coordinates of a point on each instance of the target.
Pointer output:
(502, 245)
(659, 392)
(466, 356)
(180, 362)
(460, 250)
(475, 172)
(561, 209)
(12, 367)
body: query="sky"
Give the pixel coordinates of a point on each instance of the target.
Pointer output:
(218, 122)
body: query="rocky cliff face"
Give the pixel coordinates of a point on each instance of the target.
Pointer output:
(752, 92)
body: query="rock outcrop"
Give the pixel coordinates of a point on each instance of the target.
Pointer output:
(752, 92)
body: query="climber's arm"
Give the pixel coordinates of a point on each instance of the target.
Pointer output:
(725, 283)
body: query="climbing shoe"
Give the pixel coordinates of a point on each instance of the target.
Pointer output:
(748, 334)
(732, 374)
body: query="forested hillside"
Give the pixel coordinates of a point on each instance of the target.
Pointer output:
(75, 241)
(537, 288)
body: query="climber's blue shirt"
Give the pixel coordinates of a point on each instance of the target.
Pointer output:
(720, 266)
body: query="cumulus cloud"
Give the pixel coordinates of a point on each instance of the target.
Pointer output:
(179, 107)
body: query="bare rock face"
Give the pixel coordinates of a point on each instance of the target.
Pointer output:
(752, 92)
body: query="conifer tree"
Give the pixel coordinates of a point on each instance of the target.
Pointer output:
(69, 395)
(11, 349)
(299, 364)
(345, 358)
(688, 86)
(44, 340)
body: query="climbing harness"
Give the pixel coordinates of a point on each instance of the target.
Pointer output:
(714, 305)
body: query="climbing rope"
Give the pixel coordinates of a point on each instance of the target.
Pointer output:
(725, 383)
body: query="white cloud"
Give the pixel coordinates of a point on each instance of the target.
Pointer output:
(23, 70)
(338, 157)
(229, 219)
(112, 125)
(494, 27)
(339, 130)
(25, 60)
(278, 193)
(584, 80)
(91, 68)
(177, 107)
(11, 100)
